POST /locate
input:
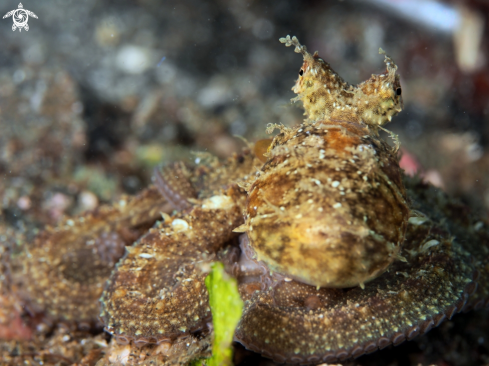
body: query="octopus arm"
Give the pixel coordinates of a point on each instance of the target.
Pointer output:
(60, 272)
(296, 323)
(157, 291)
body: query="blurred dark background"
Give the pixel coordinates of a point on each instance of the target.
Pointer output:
(107, 89)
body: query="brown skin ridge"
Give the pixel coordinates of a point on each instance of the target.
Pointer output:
(160, 302)
(340, 318)
(439, 279)
(302, 147)
(44, 281)
(449, 267)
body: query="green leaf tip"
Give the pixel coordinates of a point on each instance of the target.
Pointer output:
(226, 307)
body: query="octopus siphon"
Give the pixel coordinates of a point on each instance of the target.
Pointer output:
(336, 252)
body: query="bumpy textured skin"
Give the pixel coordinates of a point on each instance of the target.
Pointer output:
(326, 96)
(173, 183)
(292, 322)
(61, 273)
(156, 292)
(467, 228)
(435, 275)
(329, 207)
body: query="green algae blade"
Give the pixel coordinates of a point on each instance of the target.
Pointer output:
(226, 307)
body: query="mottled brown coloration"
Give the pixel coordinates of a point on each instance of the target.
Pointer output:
(410, 298)
(61, 274)
(438, 276)
(467, 228)
(179, 352)
(173, 183)
(157, 291)
(326, 96)
(211, 176)
(328, 208)
(261, 149)
(61, 347)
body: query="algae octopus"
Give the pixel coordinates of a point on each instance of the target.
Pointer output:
(340, 254)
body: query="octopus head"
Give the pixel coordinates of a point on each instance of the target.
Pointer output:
(326, 96)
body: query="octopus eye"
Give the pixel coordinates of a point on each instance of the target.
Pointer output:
(398, 91)
(301, 72)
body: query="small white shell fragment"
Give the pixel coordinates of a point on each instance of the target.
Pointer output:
(121, 355)
(337, 205)
(100, 342)
(429, 244)
(179, 225)
(218, 202)
(405, 274)
(335, 184)
(146, 255)
(478, 225)
(163, 348)
(416, 221)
